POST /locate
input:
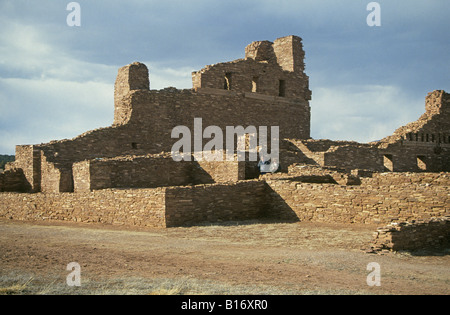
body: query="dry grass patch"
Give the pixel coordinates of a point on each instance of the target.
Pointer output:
(15, 289)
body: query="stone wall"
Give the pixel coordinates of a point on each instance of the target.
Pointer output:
(219, 171)
(433, 127)
(417, 157)
(315, 174)
(351, 157)
(420, 146)
(28, 158)
(386, 198)
(151, 171)
(157, 207)
(13, 180)
(154, 115)
(275, 69)
(130, 172)
(129, 78)
(137, 207)
(400, 179)
(144, 118)
(427, 234)
(423, 145)
(382, 199)
(245, 200)
(55, 177)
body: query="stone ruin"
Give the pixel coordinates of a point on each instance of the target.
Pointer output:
(124, 174)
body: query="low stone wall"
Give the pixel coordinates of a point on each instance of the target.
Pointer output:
(392, 179)
(245, 200)
(381, 200)
(151, 171)
(130, 172)
(425, 234)
(137, 207)
(154, 207)
(351, 156)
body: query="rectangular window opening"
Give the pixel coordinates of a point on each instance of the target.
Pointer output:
(282, 88)
(388, 162)
(227, 81)
(422, 162)
(255, 83)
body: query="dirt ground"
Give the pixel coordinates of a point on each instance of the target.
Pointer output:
(251, 258)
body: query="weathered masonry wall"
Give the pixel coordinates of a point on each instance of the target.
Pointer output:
(55, 177)
(152, 171)
(433, 127)
(157, 207)
(267, 88)
(275, 69)
(386, 198)
(13, 180)
(401, 157)
(28, 158)
(128, 172)
(154, 115)
(420, 146)
(137, 207)
(219, 171)
(416, 157)
(215, 203)
(424, 234)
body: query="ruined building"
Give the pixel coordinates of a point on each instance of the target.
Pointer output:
(125, 174)
(420, 146)
(267, 88)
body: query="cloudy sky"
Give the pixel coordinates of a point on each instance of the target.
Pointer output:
(56, 81)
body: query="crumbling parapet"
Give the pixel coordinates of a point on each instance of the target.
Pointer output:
(269, 68)
(437, 102)
(420, 146)
(431, 129)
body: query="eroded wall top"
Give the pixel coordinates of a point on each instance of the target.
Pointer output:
(270, 68)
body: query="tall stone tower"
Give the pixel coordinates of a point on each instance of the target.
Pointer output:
(129, 78)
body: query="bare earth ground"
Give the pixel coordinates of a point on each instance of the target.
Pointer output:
(252, 258)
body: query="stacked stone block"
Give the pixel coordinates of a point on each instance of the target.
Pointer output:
(427, 234)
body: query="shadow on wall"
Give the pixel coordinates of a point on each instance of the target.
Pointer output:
(13, 180)
(276, 208)
(199, 175)
(217, 204)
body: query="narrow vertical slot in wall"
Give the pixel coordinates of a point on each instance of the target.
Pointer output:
(282, 88)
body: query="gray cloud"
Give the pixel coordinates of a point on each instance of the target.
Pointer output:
(57, 81)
